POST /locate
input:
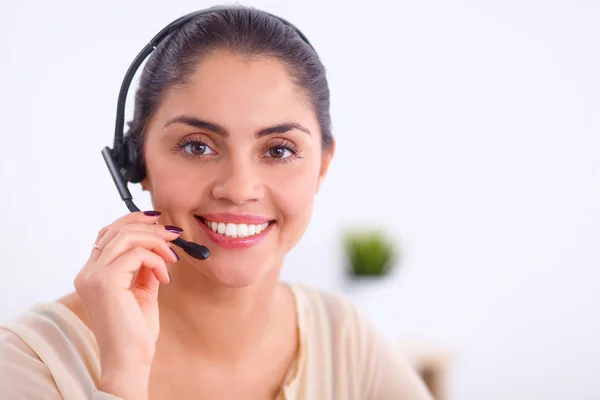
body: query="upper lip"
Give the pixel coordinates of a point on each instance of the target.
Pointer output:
(236, 218)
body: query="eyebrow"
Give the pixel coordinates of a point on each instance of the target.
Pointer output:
(219, 130)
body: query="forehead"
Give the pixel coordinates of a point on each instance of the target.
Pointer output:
(239, 93)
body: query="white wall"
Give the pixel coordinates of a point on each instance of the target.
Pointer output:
(470, 129)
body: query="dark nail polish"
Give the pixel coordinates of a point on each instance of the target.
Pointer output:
(152, 213)
(176, 256)
(173, 229)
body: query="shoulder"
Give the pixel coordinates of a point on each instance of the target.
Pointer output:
(319, 306)
(326, 318)
(47, 352)
(334, 315)
(22, 373)
(363, 363)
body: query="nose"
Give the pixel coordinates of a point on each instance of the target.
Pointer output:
(239, 183)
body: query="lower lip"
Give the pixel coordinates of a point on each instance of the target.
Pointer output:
(234, 243)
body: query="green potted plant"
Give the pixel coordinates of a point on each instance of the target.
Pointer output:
(370, 253)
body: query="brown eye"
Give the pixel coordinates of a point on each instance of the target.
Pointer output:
(277, 152)
(198, 149)
(282, 151)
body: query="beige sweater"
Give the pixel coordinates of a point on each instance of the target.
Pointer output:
(49, 353)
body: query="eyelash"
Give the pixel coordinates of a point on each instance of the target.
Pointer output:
(280, 144)
(180, 147)
(284, 144)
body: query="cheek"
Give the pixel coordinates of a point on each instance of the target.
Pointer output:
(173, 190)
(294, 196)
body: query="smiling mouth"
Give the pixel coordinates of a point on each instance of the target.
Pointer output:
(234, 231)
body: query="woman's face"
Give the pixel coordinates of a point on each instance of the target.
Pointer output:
(234, 158)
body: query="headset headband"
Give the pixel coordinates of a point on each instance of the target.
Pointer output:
(149, 48)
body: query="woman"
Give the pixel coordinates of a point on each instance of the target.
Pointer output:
(232, 119)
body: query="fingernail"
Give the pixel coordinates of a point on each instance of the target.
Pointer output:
(170, 280)
(176, 256)
(173, 229)
(152, 213)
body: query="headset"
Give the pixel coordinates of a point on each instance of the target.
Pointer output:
(123, 160)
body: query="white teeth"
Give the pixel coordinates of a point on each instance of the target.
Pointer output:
(231, 230)
(236, 230)
(242, 230)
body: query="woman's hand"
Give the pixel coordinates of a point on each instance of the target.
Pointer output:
(119, 290)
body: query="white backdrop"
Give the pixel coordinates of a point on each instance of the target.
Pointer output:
(471, 129)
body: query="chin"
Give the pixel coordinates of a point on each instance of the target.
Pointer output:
(234, 271)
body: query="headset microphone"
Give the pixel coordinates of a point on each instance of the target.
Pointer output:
(193, 249)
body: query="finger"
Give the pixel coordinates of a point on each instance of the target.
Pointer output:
(127, 240)
(101, 233)
(147, 217)
(97, 276)
(138, 260)
(146, 280)
(166, 232)
(95, 253)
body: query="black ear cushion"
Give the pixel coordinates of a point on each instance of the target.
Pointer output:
(134, 169)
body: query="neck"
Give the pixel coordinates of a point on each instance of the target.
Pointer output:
(220, 324)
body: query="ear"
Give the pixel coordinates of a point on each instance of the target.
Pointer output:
(145, 184)
(325, 162)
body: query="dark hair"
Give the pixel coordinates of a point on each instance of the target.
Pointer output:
(244, 31)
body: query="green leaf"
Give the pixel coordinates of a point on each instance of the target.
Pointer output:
(369, 253)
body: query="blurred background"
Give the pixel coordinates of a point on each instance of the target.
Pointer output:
(468, 133)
